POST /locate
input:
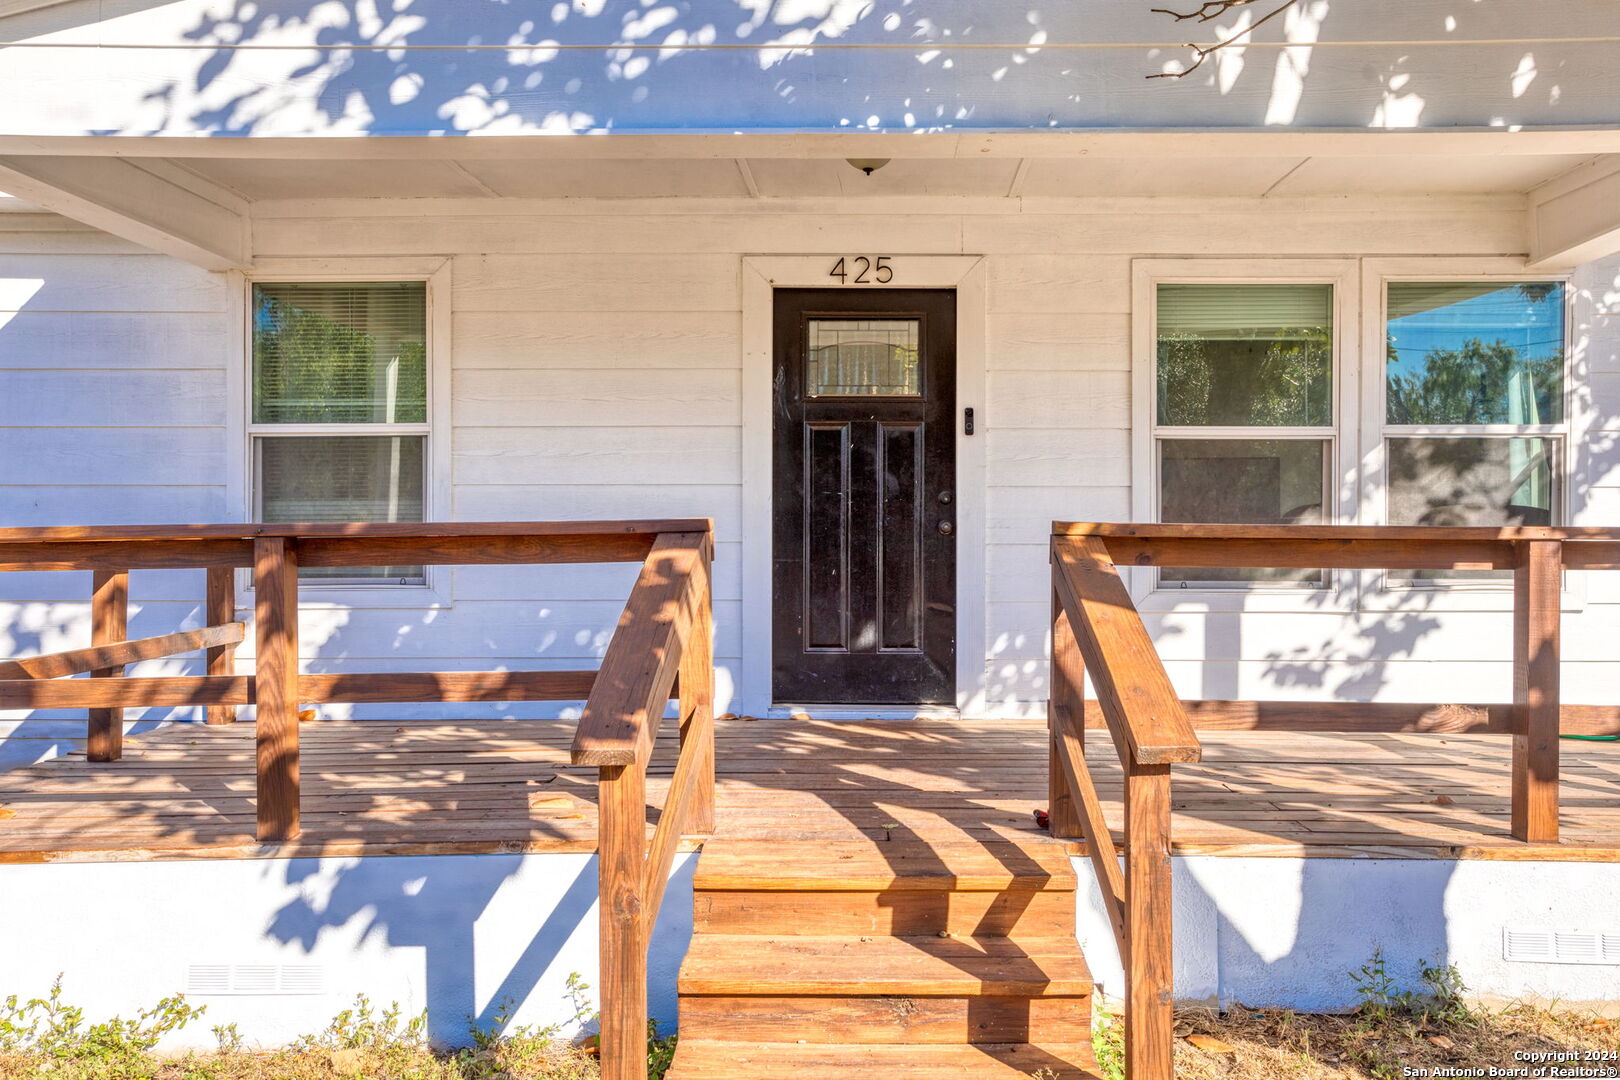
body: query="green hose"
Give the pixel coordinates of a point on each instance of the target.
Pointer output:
(1593, 738)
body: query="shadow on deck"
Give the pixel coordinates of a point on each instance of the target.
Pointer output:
(418, 788)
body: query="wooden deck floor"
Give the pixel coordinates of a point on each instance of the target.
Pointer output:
(186, 791)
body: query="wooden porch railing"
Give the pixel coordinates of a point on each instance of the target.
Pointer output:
(662, 648)
(1096, 629)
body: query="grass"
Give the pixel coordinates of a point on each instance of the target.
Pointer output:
(49, 1039)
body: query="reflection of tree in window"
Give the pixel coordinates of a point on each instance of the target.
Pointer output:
(1282, 381)
(1465, 354)
(1479, 383)
(1475, 353)
(340, 354)
(1245, 355)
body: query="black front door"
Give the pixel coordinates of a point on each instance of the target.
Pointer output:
(865, 497)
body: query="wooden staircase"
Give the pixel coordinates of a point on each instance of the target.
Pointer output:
(900, 960)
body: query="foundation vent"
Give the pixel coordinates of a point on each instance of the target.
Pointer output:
(1560, 946)
(255, 979)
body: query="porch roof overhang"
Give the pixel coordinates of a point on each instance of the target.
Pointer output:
(196, 198)
(173, 122)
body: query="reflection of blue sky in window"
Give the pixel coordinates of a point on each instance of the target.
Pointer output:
(1427, 317)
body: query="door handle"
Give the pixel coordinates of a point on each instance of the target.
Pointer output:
(946, 528)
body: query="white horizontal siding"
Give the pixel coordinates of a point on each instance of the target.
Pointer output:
(1023, 516)
(112, 411)
(584, 581)
(594, 282)
(1047, 284)
(536, 340)
(112, 397)
(45, 503)
(112, 457)
(113, 340)
(1059, 341)
(655, 397)
(566, 454)
(78, 282)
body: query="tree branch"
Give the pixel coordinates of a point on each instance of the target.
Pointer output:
(1214, 9)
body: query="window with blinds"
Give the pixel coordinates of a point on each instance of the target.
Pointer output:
(1243, 413)
(1251, 355)
(339, 419)
(340, 352)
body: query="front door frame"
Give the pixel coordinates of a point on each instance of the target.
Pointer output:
(761, 276)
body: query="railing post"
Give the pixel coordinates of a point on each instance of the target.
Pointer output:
(1149, 979)
(1537, 578)
(697, 707)
(109, 621)
(1065, 692)
(275, 685)
(219, 608)
(621, 862)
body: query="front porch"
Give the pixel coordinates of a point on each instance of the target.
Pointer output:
(418, 788)
(853, 868)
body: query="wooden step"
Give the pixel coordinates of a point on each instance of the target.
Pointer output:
(874, 1019)
(884, 959)
(713, 1060)
(757, 966)
(916, 912)
(877, 866)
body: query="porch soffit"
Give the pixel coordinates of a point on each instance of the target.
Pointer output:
(196, 202)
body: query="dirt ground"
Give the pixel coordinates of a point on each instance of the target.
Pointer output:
(1294, 1046)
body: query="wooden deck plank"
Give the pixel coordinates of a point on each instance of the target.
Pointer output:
(419, 787)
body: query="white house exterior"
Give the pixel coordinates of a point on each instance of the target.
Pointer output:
(603, 203)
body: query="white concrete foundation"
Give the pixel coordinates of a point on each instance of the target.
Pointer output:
(458, 934)
(453, 934)
(1288, 932)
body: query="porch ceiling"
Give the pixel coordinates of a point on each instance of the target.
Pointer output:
(775, 177)
(197, 203)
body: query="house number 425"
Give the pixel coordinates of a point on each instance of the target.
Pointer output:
(862, 270)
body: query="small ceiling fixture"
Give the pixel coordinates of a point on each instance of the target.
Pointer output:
(868, 165)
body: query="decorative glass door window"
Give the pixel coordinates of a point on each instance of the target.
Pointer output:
(338, 421)
(1243, 413)
(1474, 425)
(863, 358)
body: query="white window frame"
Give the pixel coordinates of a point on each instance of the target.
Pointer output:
(1343, 473)
(436, 490)
(1380, 592)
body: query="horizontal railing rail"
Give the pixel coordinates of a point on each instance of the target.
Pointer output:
(662, 649)
(1097, 629)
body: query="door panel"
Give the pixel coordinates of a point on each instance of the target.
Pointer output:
(864, 471)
